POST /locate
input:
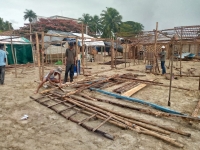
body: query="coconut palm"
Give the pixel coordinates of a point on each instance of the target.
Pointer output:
(95, 25)
(30, 15)
(5, 25)
(111, 20)
(85, 20)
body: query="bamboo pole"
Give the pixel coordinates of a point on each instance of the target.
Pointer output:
(104, 48)
(83, 56)
(112, 54)
(116, 52)
(171, 72)
(124, 117)
(125, 53)
(50, 52)
(61, 52)
(155, 50)
(13, 57)
(128, 124)
(181, 52)
(134, 54)
(6, 54)
(199, 82)
(77, 61)
(146, 111)
(42, 53)
(38, 55)
(15, 51)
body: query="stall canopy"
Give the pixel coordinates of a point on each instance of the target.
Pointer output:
(21, 48)
(88, 40)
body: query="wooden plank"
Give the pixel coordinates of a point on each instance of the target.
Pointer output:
(135, 89)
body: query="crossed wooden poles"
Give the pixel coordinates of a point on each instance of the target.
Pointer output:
(71, 101)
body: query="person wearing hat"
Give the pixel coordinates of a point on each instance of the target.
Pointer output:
(51, 77)
(70, 62)
(2, 64)
(162, 59)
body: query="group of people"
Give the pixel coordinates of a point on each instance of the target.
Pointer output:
(70, 62)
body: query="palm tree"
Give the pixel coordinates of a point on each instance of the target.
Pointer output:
(111, 20)
(95, 25)
(30, 15)
(5, 25)
(85, 20)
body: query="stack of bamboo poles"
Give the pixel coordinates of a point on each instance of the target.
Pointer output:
(124, 121)
(121, 120)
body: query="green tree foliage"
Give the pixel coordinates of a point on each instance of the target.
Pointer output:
(30, 15)
(130, 28)
(93, 22)
(95, 25)
(111, 20)
(5, 25)
(85, 19)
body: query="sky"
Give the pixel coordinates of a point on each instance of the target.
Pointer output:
(168, 13)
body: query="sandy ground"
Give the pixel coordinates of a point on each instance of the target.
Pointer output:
(44, 129)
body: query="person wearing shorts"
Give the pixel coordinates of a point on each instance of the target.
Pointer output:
(51, 77)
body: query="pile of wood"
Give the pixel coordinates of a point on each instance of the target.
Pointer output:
(82, 103)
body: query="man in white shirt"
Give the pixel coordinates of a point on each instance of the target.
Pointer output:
(2, 64)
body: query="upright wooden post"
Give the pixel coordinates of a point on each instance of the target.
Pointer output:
(116, 52)
(112, 54)
(42, 53)
(134, 54)
(125, 53)
(181, 52)
(171, 72)
(6, 54)
(50, 51)
(199, 82)
(82, 58)
(13, 57)
(38, 54)
(155, 50)
(61, 52)
(104, 54)
(77, 69)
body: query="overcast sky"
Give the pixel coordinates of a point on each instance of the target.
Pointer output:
(168, 13)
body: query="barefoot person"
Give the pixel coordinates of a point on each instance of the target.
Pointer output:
(51, 77)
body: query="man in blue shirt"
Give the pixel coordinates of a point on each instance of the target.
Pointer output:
(2, 64)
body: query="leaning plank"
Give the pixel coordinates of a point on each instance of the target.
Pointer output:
(134, 90)
(196, 110)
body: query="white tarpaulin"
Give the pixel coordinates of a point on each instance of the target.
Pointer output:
(15, 40)
(88, 42)
(55, 50)
(85, 35)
